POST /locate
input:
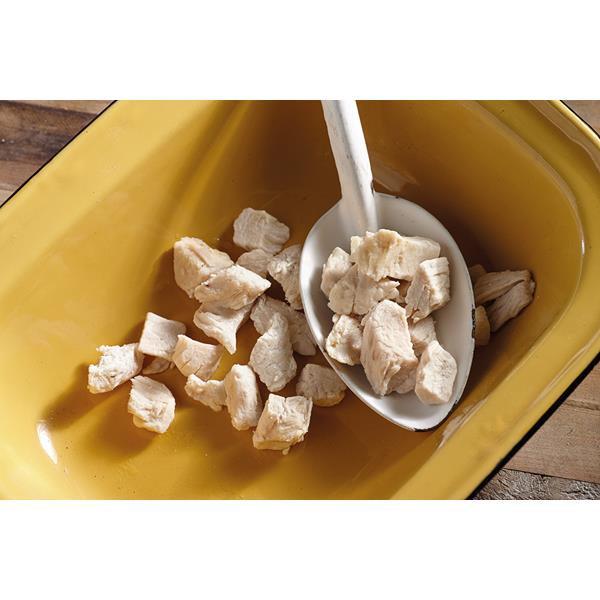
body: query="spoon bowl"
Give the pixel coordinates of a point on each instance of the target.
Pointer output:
(362, 209)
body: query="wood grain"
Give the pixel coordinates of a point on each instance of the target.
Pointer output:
(562, 460)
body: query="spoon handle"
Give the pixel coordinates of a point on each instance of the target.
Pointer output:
(352, 161)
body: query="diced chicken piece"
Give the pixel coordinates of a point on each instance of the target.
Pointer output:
(386, 347)
(482, 327)
(510, 304)
(321, 385)
(157, 365)
(355, 242)
(341, 297)
(388, 254)
(344, 341)
(222, 324)
(262, 313)
(402, 291)
(117, 365)
(196, 358)
(475, 272)
(337, 265)
(151, 403)
(404, 381)
(492, 285)
(256, 261)
(258, 229)
(194, 261)
(283, 423)
(243, 398)
(421, 333)
(211, 393)
(159, 336)
(369, 292)
(272, 357)
(430, 288)
(234, 287)
(435, 375)
(284, 268)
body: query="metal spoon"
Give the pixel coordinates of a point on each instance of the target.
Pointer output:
(362, 209)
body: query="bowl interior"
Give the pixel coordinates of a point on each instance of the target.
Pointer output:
(86, 252)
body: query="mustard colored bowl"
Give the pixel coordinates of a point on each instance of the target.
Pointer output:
(85, 251)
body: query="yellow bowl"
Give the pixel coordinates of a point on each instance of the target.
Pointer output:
(85, 252)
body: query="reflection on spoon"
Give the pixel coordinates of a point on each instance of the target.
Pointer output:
(46, 441)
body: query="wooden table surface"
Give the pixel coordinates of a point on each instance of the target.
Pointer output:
(561, 460)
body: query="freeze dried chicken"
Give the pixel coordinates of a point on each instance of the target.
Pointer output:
(196, 358)
(337, 265)
(475, 272)
(151, 403)
(284, 268)
(256, 261)
(435, 375)
(493, 285)
(157, 365)
(272, 356)
(421, 333)
(404, 381)
(194, 261)
(222, 324)
(242, 397)
(283, 423)
(159, 336)
(344, 341)
(510, 304)
(321, 385)
(341, 297)
(258, 229)
(429, 289)
(482, 327)
(388, 254)
(117, 364)
(211, 393)
(386, 347)
(234, 287)
(264, 309)
(402, 291)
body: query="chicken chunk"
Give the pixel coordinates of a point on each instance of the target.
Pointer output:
(510, 304)
(159, 336)
(493, 285)
(388, 254)
(404, 381)
(344, 341)
(272, 356)
(222, 324)
(421, 333)
(435, 375)
(196, 358)
(264, 309)
(402, 291)
(284, 268)
(151, 403)
(341, 297)
(194, 261)
(157, 365)
(211, 393)
(283, 423)
(430, 288)
(321, 385)
(117, 365)
(234, 287)
(258, 229)
(243, 398)
(475, 272)
(386, 347)
(369, 292)
(337, 265)
(256, 261)
(482, 327)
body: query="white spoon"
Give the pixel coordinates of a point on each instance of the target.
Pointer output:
(362, 209)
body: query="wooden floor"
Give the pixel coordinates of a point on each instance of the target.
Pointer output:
(562, 460)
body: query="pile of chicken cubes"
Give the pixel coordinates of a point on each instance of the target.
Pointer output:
(229, 294)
